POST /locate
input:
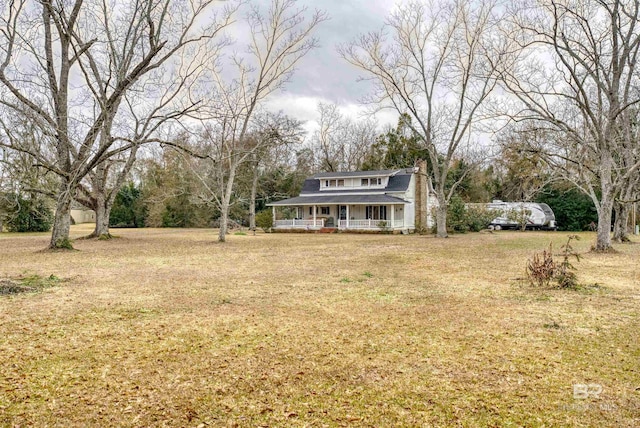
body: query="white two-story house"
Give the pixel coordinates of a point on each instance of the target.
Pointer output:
(388, 200)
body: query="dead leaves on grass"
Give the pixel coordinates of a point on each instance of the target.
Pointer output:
(264, 333)
(27, 284)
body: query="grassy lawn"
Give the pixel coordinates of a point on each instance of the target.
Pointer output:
(166, 327)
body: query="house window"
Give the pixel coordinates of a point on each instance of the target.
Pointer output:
(376, 212)
(376, 181)
(364, 182)
(326, 183)
(340, 183)
(324, 210)
(332, 183)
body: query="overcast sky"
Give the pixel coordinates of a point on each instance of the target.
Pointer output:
(323, 75)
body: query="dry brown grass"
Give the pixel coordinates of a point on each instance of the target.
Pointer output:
(169, 328)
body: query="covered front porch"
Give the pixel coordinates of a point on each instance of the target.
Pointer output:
(366, 214)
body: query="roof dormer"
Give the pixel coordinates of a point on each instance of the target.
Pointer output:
(364, 180)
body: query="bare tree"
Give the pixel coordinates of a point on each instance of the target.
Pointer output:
(142, 122)
(577, 70)
(282, 134)
(629, 157)
(104, 48)
(523, 162)
(341, 143)
(431, 62)
(279, 38)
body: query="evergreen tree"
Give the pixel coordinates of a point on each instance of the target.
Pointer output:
(573, 209)
(128, 209)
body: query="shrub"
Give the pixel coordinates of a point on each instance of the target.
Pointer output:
(542, 269)
(264, 219)
(457, 215)
(384, 226)
(462, 218)
(479, 217)
(565, 274)
(519, 215)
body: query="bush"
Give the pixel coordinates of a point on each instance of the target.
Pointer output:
(542, 269)
(462, 218)
(384, 226)
(457, 215)
(30, 216)
(478, 218)
(264, 219)
(565, 275)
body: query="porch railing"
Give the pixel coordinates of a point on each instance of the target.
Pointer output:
(371, 224)
(299, 224)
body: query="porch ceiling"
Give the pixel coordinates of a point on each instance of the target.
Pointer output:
(340, 199)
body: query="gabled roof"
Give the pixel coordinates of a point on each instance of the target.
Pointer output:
(340, 199)
(397, 183)
(355, 174)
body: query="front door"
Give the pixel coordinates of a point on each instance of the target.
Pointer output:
(343, 212)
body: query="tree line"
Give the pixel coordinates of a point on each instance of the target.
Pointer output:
(530, 99)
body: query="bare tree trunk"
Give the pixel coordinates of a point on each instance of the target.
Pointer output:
(225, 204)
(224, 219)
(603, 240)
(441, 217)
(254, 191)
(620, 229)
(622, 208)
(62, 219)
(605, 210)
(100, 198)
(103, 210)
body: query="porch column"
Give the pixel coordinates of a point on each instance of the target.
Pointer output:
(393, 216)
(347, 219)
(273, 211)
(315, 208)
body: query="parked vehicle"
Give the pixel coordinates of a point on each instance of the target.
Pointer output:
(533, 215)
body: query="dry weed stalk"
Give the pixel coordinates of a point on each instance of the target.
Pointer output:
(541, 269)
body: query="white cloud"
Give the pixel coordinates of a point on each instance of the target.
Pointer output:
(323, 76)
(305, 108)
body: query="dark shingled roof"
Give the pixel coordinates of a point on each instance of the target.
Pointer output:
(381, 173)
(340, 199)
(397, 183)
(310, 186)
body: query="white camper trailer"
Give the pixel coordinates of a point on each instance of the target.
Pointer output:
(537, 216)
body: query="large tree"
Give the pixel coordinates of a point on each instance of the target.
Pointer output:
(431, 62)
(577, 72)
(279, 37)
(67, 65)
